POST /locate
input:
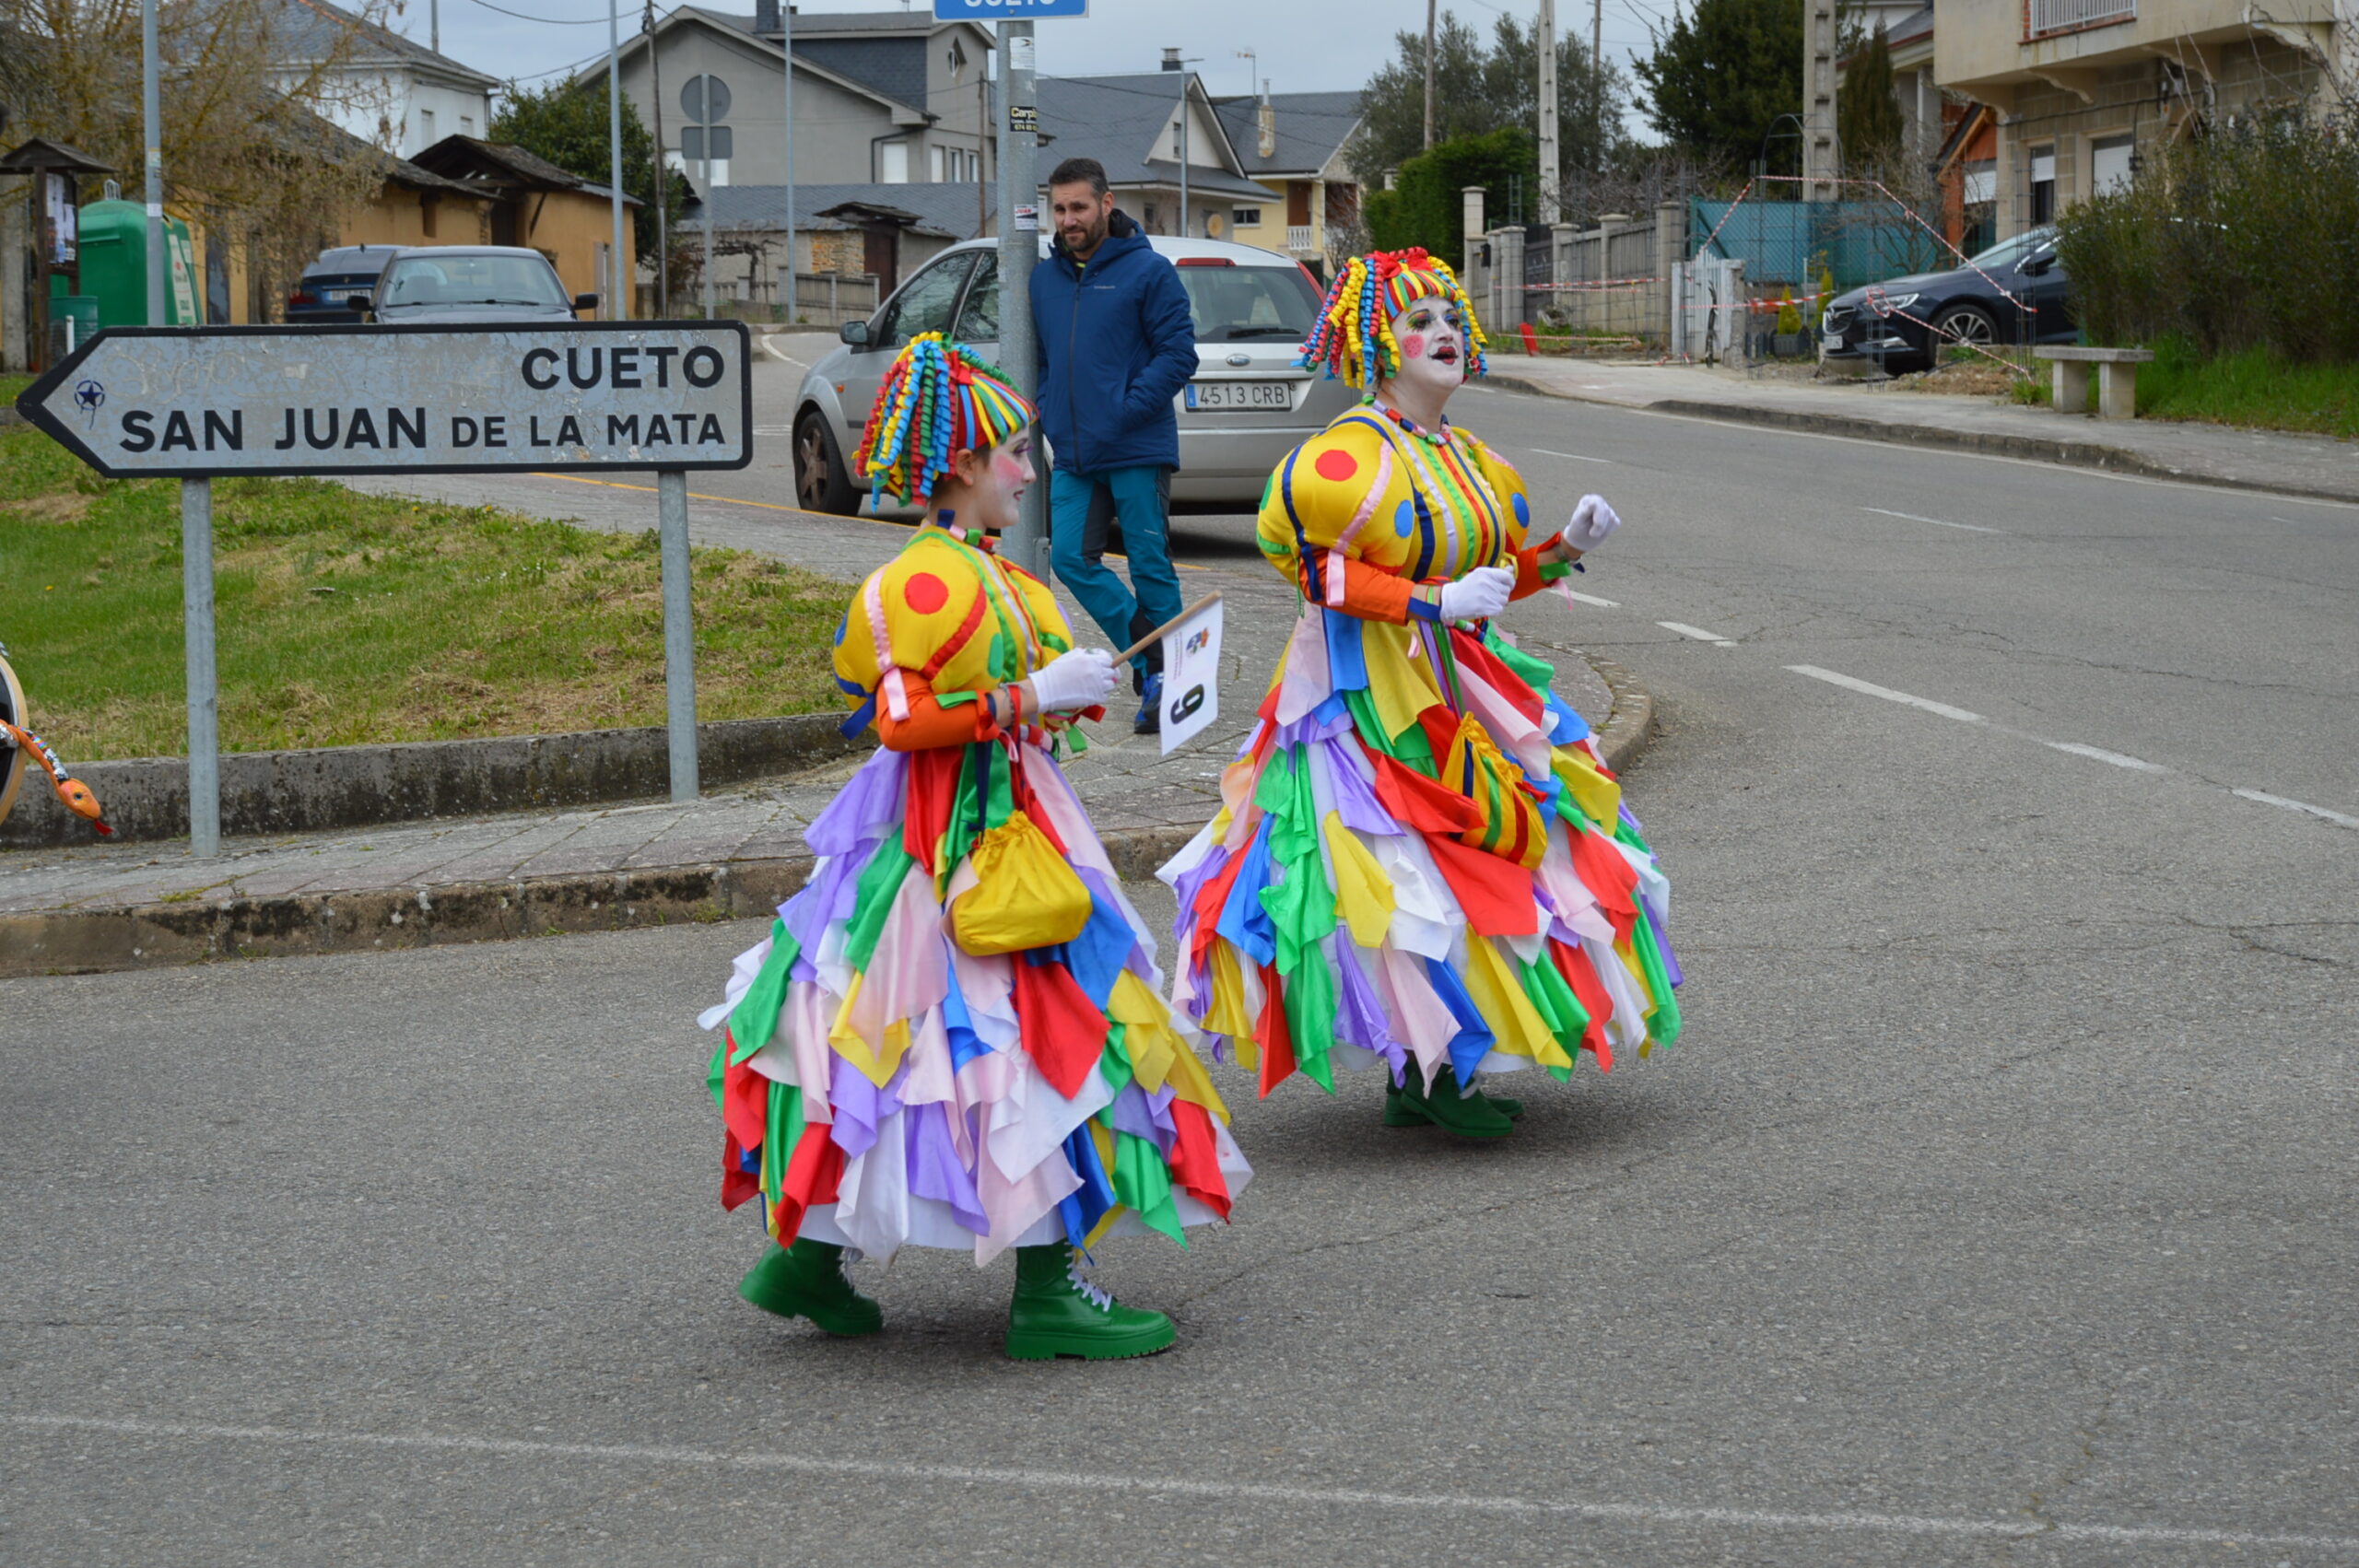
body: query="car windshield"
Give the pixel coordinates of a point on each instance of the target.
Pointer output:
(1239, 304)
(2007, 253)
(416, 281)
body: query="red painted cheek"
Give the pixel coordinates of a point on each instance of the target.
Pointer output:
(1414, 346)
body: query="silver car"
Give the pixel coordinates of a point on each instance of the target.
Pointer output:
(1247, 406)
(469, 283)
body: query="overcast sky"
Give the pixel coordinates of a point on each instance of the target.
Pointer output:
(1305, 45)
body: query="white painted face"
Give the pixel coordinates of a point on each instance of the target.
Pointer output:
(1433, 338)
(993, 482)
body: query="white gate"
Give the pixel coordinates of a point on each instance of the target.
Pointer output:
(1707, 316)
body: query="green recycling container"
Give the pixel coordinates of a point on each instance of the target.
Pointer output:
(74, 320)
(114, 266)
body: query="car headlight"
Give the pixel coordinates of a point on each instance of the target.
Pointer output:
(1890, 302)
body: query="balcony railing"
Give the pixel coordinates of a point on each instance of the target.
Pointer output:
(2042, 17)
(1299, 238)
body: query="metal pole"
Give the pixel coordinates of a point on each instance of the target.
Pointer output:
(1597, 84)
(617, 298)
(1552, 163)
(786, 43)
(1019, 247)
(708, 212)
(204, 699)
(679, 630)
(152, 114)
(1183, 151)
(1429, 76)
(434, 24)
(663, 175)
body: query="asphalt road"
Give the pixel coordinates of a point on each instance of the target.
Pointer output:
(1995, 1209)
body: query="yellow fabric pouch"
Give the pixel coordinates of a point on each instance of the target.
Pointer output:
(1024, 895)
(1509, 823)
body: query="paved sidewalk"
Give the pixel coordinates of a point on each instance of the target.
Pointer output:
(2216, 454)
(732, 854)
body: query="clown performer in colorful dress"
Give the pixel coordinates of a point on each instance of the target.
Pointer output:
(1420, 862)
(954, 1036)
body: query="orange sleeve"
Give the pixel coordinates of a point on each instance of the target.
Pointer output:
(1370, 593)
(1527, 574)
(930, 723)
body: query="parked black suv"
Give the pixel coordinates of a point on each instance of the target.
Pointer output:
(2011, 294)
(337, 275)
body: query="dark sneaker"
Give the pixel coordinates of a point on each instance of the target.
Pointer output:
(1150, 718)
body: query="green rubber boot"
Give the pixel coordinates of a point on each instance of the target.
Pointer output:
(807, 1280)
(1400, 1110)
(1056, 1313)
(1469, 1116)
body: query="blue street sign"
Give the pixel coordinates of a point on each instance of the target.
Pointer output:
(1006, 11)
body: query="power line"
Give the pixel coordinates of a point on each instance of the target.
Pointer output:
(551, 21)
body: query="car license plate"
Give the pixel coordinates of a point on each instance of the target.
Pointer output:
(1831, 341)
(337, 296)
(1240, 394)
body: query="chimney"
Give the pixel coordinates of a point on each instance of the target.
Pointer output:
(1171, 59)
(766, 22)
(1266, 141)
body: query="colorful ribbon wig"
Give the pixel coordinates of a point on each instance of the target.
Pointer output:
(1353, 337)
(938, 400)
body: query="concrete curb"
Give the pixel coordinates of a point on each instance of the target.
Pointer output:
(1985, 443)
(339, 787)
(157, 935)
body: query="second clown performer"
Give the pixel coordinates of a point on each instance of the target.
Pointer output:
(954, 1036)
(1420, 862)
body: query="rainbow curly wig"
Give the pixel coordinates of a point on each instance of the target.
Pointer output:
(1353, 337)
(938, 400)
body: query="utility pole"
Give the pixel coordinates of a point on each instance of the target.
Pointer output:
(662, 176)
(1552, 163)
(152, 115)
(618, 301)
(704, 119)
(982, 149)
(1183, 151)
(1822, 160)
(1429, 75)
(1597, 83)
(434, 24)
(786, 43)
(1019, 247)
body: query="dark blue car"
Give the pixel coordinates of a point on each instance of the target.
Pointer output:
(2014, 294)
(339, 274)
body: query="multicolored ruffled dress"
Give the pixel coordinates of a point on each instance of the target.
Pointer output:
(883, 1087)
(1420, 858)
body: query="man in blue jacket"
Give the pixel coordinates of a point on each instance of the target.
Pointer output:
(1116, 345)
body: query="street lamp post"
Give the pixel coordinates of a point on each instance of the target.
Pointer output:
(152, 133)
(617, 301)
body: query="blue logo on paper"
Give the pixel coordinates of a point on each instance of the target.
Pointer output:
(1006, 11)
(90, 397)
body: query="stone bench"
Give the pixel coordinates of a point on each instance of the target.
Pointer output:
(2116, 378)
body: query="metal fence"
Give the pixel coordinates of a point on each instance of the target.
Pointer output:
(1786, 244)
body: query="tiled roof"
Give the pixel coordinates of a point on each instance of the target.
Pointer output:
(1311, 126)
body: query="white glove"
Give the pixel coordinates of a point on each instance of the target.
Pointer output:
(1083, 678)
(1479, 596)
(1593, 522)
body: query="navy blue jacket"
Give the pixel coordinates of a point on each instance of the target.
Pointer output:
(1116, 345)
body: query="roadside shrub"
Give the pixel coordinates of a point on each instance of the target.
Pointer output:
(2243, 237)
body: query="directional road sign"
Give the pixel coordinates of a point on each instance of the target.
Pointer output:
(168, 403)
(1006, 11)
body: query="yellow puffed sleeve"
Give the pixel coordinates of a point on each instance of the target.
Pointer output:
(952, 614)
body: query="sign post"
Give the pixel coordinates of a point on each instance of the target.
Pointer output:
(165, 403)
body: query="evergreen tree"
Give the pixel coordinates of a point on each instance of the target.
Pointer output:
(566, 125)
(1867, 114)
(1720, 76)
(1426, 207)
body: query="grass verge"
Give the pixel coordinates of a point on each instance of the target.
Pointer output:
(2254, 388)
(346, 618)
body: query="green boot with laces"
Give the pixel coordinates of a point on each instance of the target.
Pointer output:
(1058, 1313)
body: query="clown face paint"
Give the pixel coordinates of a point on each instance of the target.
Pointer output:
(1432, 335)
(990, 485)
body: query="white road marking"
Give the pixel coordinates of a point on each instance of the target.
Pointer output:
(1594, 599)
(1936, 522)
(773, 349)
(1699, 633)
(1850, 683)
(1067, 1484)
(2268, 799)
(1576, 457)
(2098, 754)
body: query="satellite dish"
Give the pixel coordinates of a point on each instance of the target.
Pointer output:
(13, 760)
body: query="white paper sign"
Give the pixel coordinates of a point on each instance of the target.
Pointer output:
(1192, 677)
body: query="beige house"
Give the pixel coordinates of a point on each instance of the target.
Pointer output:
(2081, 89)
(1293, 145)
